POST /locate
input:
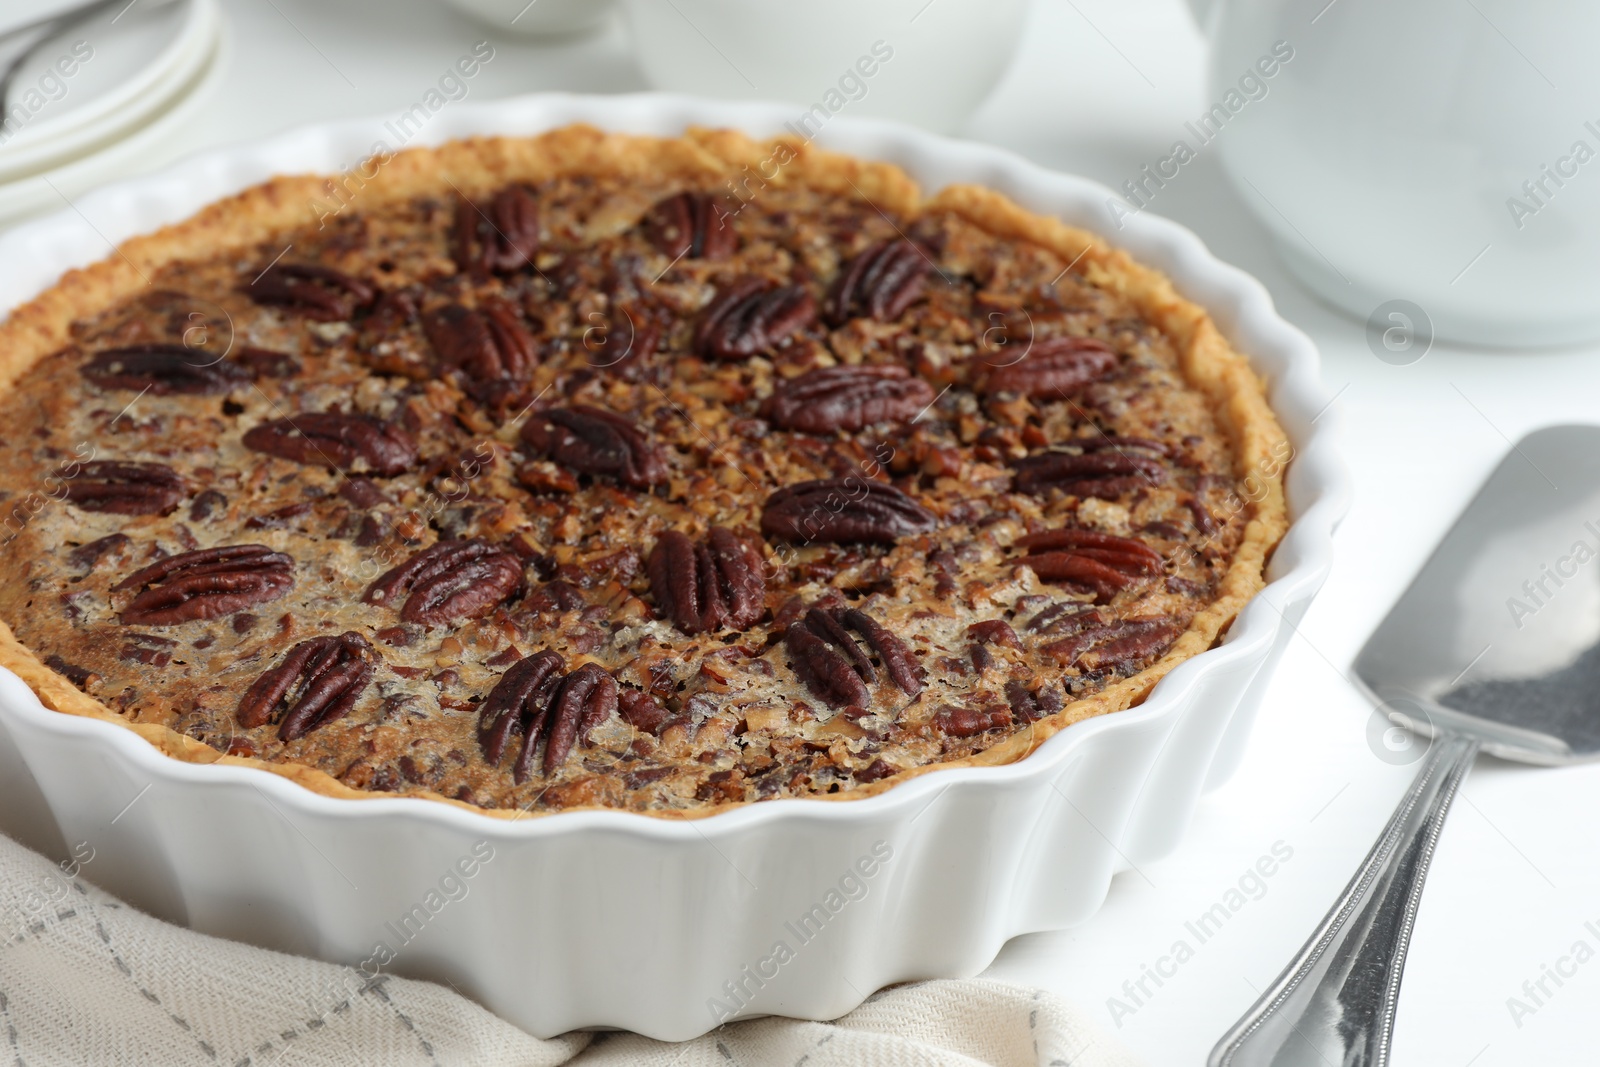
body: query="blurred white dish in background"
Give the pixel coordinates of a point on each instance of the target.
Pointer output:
(1425, 151)
(918, 61)
(130, 49)
(538, 18)
(96, 81)
(73, 122)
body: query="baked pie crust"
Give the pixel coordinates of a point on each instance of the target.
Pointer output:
(592, 470)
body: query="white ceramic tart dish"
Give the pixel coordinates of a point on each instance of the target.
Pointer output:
(670, 926)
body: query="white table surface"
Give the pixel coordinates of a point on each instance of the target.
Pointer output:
(1099, 88)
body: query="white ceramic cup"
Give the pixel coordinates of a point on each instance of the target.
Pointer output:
(928, 63)
(1435, 152)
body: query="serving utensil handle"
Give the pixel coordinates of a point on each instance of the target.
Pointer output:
(1335, 1001)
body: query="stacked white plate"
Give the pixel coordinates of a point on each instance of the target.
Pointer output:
(100, 95)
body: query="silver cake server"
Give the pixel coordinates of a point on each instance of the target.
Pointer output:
(1494, 647)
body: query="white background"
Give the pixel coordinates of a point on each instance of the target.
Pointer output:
(1099, 88)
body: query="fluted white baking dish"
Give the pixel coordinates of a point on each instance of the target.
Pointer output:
(668, 928)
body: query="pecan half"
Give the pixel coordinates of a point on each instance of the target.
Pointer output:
(719, 583)
(1130, 645)
(751, 316)
(880, 283)
(319, 293)
(833, 666)
(1074, 569)
(1135, 555)
(1066, 617)
(316, 682)
(352, 443)
(587, 697)
(500, 237)
(1054, 367)
(205, 584)
(823, 669)
(1117, 646)
(963, 720)
(1101, 562)
(844, 510)
(163, 369)
(692, 226)
(533, 695)
(125, 488)
(1031, 705)
(450, 582)
(487, 345)
(847, 398)
(897, 660)
(826, 623)
(1106, 473)
(590, 440)
(515, 700)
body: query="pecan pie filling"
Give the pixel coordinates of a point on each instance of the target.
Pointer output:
(615, 490)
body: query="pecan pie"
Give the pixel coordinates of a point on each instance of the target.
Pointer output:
(591, 470)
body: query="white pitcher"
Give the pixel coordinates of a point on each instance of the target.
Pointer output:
(1441, 152)
(928, 63)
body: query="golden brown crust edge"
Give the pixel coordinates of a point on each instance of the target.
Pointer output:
(1211, 365)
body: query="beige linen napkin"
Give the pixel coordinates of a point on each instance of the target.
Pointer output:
(87, 980)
